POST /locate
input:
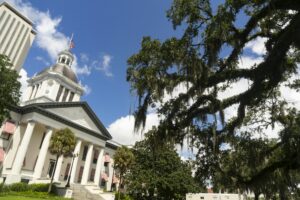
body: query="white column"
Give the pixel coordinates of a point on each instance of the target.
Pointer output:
(42, 155)
(110, 172)
(58, 168)
(69, 93)
(87, 165)
(62, 94)
(18, 163)
(75, 162)
(99, 167)
(33, 92)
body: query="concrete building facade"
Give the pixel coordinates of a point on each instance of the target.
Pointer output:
(16, 35)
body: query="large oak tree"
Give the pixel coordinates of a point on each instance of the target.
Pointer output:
(205, 59)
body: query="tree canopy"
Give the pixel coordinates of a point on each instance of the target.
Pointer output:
(158, 172)
(205, 60)
(9, 87)
(62, 143)
(123, 160)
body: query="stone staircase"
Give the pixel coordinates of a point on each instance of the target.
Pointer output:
(90, 192)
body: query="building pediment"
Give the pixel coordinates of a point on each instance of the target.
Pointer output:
(76, 114)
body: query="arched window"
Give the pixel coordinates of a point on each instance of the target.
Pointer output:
(68, 62)
(63, 60)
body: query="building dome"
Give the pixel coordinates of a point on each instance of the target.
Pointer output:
(63, 66)
(61, 69)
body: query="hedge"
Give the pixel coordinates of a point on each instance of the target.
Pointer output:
(23, 187)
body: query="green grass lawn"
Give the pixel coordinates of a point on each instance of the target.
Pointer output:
(29, 197)
(17, 198)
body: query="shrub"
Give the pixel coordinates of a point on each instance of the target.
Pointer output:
(3, 188)
(39, 187)
(19, 187)
(24, 187)
(122, 196)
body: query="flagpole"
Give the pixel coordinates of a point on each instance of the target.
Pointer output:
(70, 41)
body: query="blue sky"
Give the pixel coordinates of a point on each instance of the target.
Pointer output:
(114, 28)
(106, 34)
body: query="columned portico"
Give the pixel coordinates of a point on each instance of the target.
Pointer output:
(75, 162)
(99, 167)
(87, 165)
(58, 168)
(18, 162)
(53, 99)
(42, 154)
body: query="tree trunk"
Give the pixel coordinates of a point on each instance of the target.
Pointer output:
(256, 196)
(282, 194)
(52, 175)
(119, 191)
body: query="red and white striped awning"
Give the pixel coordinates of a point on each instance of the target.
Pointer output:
(115, 179)
(104, 176)
(9, 127)
(106, 158)
(2, 153)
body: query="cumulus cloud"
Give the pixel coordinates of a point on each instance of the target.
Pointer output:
(122, 130)
(43, 60)
(257, 46)
(84, 57)
(87, 90)
(23, 80)
(246, 62)
(104, 65)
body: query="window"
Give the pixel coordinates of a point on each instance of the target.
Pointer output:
(95, 158)
(68, 61)
(8, 129)
(65, 95)
(51, 167)
(85, 149)
(44, 134)
(59, 93)
(80, 174)
(5, 135)
(71, 96)
(67, 171)
(92, 175)
(63, 60)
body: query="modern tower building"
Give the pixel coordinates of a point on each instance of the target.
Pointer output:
(16, 35)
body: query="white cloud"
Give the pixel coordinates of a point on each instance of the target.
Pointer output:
(41, 59)
(122, 130)
(246, 62)
(104, 65)
(257, 46)
(83, 70)
(84, 57)
(23, 80)
(87, 90)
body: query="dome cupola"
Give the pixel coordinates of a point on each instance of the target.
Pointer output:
(65, 58)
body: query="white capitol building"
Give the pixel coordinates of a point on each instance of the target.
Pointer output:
(52, 102)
